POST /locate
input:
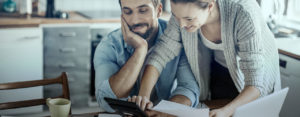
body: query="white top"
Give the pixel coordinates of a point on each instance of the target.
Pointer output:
(218, 49)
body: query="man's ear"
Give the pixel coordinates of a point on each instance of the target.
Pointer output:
(159, 10)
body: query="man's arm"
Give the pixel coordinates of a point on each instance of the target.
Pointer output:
(122, 82)
(110, 75)
(113, 80)
(187, 91)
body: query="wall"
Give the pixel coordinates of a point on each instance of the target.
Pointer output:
(86, 5)
(77, 5)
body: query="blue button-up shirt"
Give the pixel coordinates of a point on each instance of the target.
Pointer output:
(112, 53)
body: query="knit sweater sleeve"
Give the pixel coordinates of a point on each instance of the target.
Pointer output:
(167, 47)
(250, 49)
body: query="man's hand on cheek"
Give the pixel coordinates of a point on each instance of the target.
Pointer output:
(131, 38)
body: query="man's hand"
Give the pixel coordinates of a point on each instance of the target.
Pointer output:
(131, 38)
(142, 102)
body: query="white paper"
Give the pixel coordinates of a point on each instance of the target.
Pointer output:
(180, 110)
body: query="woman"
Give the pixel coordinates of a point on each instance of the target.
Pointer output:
(230, 49)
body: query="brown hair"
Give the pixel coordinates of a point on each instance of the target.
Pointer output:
(201, 3)
(155, 2)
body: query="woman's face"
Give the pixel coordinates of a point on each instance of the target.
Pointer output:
(189, 15)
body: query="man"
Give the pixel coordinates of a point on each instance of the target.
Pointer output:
(119, 59)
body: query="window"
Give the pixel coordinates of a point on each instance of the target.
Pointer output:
(293, 10)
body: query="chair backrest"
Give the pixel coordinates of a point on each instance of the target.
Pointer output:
(62, 79)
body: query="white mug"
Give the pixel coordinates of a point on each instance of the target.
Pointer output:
(59, 107)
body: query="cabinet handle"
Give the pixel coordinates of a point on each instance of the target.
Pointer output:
(30, 37)
(70, 65)
(282, 63)
(67, 50)
(68, 34)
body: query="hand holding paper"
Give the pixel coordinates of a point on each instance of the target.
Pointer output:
(180, 110)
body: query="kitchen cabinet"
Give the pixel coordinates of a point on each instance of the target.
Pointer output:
(67, 48)
(290, 77)
(21, 59)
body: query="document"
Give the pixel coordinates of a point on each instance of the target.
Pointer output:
(180, 110)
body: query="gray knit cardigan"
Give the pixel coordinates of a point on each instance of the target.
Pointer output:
(249, 48)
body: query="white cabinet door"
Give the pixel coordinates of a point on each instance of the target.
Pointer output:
(290, 77)
(21, 59)
(290, 107)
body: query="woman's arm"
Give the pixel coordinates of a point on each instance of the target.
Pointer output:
(248, 94)
(166, 48)
(149, 79)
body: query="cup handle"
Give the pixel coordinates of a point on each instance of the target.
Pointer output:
(47, 101)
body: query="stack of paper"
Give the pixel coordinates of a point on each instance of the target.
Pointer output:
(180, 110)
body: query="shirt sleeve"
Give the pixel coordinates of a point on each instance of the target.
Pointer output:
(186, 82)
(105, 63)
(168, 46)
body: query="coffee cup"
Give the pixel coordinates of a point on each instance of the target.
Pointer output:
(59, 107)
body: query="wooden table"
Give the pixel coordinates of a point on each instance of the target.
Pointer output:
(92, 114)
(214, 104)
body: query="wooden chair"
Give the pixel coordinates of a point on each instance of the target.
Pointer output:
(62, 79)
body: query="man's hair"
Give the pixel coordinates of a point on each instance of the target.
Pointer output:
(155, 2)
(201, 3)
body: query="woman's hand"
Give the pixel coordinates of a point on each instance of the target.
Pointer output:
(222, 112)
(142, 101)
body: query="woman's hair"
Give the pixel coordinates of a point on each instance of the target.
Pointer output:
(155, 2)
(201, 3)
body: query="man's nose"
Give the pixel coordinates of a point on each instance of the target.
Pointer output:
(135, 18)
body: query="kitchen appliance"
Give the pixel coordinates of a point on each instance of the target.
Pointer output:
(9, 6)
(52, 13)
(50, 9)
(26, 7)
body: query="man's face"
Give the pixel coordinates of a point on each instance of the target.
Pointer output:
(141, 16)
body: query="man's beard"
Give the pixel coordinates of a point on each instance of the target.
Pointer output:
(143, 35)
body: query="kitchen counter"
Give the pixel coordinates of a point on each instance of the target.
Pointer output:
(289, 47)
(14, 20)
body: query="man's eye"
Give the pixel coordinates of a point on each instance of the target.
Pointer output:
(127, 11)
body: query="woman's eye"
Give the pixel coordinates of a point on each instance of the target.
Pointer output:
(143, 10)
(189, 19)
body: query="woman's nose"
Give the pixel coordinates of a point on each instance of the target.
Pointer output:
(182, 24)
